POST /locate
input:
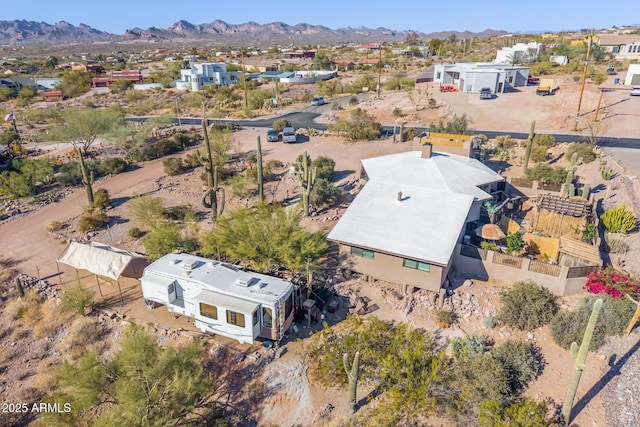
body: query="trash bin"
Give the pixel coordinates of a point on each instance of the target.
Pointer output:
(616, 81)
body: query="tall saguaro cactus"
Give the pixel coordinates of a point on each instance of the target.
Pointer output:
(527, 153)
(210, 196)
(260, 177)
(569, 189)
(352, 373)
(580, 356)
(87, 177)
(307, 179)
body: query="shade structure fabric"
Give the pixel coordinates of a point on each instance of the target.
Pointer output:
(100, 259)
(490, 232)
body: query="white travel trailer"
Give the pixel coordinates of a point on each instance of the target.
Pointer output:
(222, 298)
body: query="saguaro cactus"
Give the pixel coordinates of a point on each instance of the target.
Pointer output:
(260, 177)
(352, 373)
(210, 196)
(586, 190)
(87, 177)
(569, 189)
(580, 356)
(402, 131)
(307, 179)
(527, 153)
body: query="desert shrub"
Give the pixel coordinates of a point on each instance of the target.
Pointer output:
(359, 125)
(280, 124)
(618, 220)
(54, 226)
(458, 125)
(584, 150)
(325, 167)
(466, 347)
(489, 322)
(505, 142)
(135, 232)
(546, 174)
(101, 199)
(521, 361)
(538, 154)
(526, 306)
(489, 246)
(191, 161)
(521, 412)
(83, 335)
(353, 100)
(77, 300)
(113, 166)
(163, 239)
(336, 106)
(172, 166)
(15, 309)
(615, 244)
(159, 149)
(445, 318)
(397, 112)
(544, 140)
(541, 68)
(324, 193)
(92, 220)
(180, 212)
(70, 175)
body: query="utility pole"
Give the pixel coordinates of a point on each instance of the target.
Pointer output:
(178, 112)
(244, 79)
(584, 78)
(379, 67)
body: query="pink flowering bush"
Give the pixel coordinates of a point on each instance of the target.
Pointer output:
(611, 282)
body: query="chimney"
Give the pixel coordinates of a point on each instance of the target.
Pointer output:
(426, 151)
(399, 196)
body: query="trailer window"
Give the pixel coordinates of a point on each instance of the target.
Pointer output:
(255, 318)
(234, 318)
(267, 317)
(210, 311)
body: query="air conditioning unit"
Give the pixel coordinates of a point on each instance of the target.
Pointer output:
(189, 265)
(244, 281)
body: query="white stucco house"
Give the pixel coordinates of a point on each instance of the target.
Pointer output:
(633, 75)
(404, 225)
(222, 298)
(517, 53)
(473, 76)
(206, 73)
(623, 46)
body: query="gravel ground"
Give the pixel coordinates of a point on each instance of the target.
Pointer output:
(621, 382)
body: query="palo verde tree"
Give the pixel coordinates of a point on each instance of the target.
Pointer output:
(83, 126)
(266, 238)
(142, 384)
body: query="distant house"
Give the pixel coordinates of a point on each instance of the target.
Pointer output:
(44, 84)
(559, 59)
(471, 77)
(134, 76)
(344, 64)
(404, 225)
(518, 52)
(625, 46)
(300, 54)
(53, 95)
(206, 73)
(370, 62)
(222, 298)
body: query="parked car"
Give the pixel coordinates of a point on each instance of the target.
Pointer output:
(289, 134)
(485, 93)
(635, 91)
(273, 135)
(533, 80)
(318, 100)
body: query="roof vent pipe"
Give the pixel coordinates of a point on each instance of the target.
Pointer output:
(399, 196)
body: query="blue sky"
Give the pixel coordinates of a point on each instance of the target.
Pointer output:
(116, 16)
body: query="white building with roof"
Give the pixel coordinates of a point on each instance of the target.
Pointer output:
(222, 298)
(206, 73)
(404, 225)
(473, 76)
(518, 53)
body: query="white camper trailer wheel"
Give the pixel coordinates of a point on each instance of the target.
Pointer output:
(150, 304)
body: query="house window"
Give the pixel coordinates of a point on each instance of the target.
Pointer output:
(438, 75)
(210, 311)
(267, 317)
(364, 253)
(417, 265)
(234, 318)
(255, 318)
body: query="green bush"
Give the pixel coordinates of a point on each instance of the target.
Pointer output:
(92, 220)
(77, 300)
(569, 326)
(113, 166)
(135, 232)
(70, 174)
(618, 220)
(159, 149)
(397, 112)
(489, 246)
(54, 226)
(515, 243)
(522, 412)
(180, 213)
(101, 199)
(546, 174)
(527, 306)
(541, 68)
(544, 140)
(521, 361)
(325, 167)
(584, 150)
(324, 193)
(538, 154)
(280, 124)
(465, 347)
(172, 166)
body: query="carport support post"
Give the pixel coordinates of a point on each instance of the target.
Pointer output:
(121, 299)
(99, 288)
(59, 274)
(598, 108)
(584, 78)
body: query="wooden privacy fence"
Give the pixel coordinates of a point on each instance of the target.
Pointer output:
(508, 260)
(544, 268)
(580, 271)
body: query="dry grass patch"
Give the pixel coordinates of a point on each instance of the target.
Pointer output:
(83, 335)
